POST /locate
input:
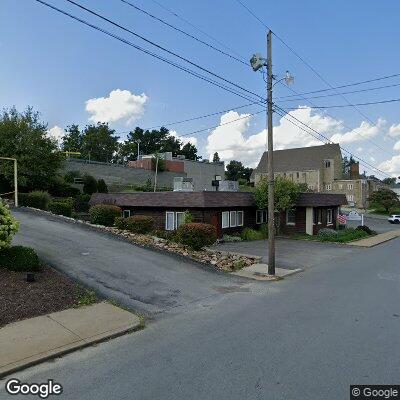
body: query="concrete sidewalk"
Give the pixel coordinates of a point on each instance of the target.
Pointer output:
(34, 340)
(375, 240)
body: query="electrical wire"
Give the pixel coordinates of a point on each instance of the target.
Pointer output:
(148, 52)
(242, 61)
(164, 49)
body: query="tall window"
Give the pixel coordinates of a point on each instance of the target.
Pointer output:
(327, 163)
(126, 213)
(317, 216)
(350, 186)
(169, 221)
(180, 219)
(350, 198)
(290, 217)
(225, 219)
(240, 218)
(261, 216)
(329, 216)
(233, 218)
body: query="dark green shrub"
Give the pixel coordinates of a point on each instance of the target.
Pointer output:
(252, 234)
(61, 207)
(19, 258)
(81, 203)
(58, 187)
(196, 235)
(102, 186)
(104, 214)
(327, 232)
(36, 199)
(366, 229)
(89, 184)
(136, 224)
(71, 175)
(167, 235)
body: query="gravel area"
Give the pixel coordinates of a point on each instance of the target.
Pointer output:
(50, 292)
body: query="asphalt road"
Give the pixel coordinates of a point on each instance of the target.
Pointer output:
(148, 281)
(307, 337)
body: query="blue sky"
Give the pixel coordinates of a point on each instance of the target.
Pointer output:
(57, 65)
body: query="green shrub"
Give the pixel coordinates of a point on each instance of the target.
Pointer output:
(188, 217)
(61, 207)
(136, 224)
(196, 235)
(81, 203)
(326, 232)
(104, 214)
(231, 238)
(8, 226)
(89, 184)
(167, 235)
(102, 186)
(19, 258)
(71, 175)
(252, 234)
(36, 199)
(58, 187)
(344, 236)
(366, 229)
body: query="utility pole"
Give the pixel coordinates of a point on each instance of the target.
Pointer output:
(271, 206)
(155, 176)
(138, 148)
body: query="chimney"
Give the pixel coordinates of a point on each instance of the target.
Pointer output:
(355, 171)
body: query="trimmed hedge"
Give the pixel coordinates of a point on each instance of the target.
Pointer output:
(136, 224)
(366, 229)
(19, 258)
(81, 203)
(196, 235)
(8, 226)
(36, 199)
(104, 214)
(61, 207)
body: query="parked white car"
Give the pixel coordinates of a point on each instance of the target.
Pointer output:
(394, 219)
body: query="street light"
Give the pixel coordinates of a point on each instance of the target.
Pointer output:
(258, 62)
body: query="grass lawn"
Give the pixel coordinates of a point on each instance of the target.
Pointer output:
(341, 236)
(381, 211)
(50, 292)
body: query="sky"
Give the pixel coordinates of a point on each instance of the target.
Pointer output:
(73, 74)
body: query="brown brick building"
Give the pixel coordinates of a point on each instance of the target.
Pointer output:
(229, 212)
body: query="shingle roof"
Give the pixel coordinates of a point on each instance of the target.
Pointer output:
(299, 159)
(321, 200)
(176, 199)
(205, 199)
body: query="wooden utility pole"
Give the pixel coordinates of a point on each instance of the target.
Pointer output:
(271, 207)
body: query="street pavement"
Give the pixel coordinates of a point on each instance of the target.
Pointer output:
(309, 336)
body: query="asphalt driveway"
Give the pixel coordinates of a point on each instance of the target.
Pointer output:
(142, 279)
(292, 253)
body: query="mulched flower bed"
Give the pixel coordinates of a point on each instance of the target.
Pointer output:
(50, 292)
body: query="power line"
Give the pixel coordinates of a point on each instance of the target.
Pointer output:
(336, 94)
(196, 27)
(344, 86)
(185, 33)
(306, 63)
(196, 118)
(341, 122)
(148, 52)
(284, 114)
(353, 105)
(164, 49)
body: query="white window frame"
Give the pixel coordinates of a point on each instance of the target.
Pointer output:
(226, 225)
(241, 213)
(350, 197)
(232, 223)
(328, 187)
(329, 216)
(340, 186)
(166, 220)
(350, 186)
(287, 217)
(176, 218)
(124, 212)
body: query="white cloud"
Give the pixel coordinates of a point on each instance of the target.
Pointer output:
(184, 139)
(56, 133)
(364, 132)
(391, 166)
(120, 105)
(394, 131)
(396, 146)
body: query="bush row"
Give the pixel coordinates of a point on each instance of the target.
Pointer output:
(136, 224)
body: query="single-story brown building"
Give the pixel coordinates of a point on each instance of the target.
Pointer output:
(229, 212)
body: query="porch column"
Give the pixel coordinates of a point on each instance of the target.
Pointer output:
(309, 220)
